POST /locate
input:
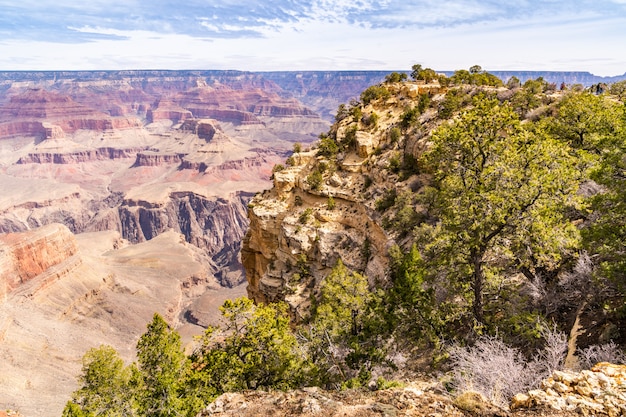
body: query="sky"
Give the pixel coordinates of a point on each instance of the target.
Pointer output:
(280, 35)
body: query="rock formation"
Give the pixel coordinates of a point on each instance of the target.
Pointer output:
(296, 236)
(415, 400)
(25, 256)
(600, 391)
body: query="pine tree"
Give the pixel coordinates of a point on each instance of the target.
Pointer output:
(163, 368)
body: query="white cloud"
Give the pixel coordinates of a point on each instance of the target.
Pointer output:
(322, 34)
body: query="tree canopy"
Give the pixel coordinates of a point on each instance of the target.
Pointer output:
(499, 192)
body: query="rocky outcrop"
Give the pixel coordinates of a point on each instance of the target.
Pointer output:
(216, 225)
(600, 391)
(28, 255)
(295, 238)
(323, 207)
(413, 400)
(151, 159)
(205, 129)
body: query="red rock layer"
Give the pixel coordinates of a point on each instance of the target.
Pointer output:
(27, 114)
(89, 155)
(24, 256)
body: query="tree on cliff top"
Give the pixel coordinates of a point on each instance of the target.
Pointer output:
(498, 198)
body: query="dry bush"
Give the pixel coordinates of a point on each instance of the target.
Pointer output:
(498, 372)
(552, 356)
(492, 369)
(609, 352)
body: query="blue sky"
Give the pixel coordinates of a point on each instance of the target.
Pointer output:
(559, 35)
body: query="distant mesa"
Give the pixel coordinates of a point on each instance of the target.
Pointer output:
(50, 115)
(204, 128)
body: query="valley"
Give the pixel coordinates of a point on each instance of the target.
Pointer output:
(125, 194)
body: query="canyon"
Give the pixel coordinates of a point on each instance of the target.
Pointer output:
(132, 192)
(125, 193)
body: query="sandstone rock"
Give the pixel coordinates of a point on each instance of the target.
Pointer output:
(599, 392)
(520, 401)
(25, 256)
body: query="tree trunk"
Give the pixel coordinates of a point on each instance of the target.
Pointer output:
(571, 361)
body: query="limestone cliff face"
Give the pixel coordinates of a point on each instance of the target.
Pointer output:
(295, 239)
(216, 225)
(25, 256)
(302, 226)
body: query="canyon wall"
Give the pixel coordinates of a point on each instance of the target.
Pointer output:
(125, 194)
(25, 256)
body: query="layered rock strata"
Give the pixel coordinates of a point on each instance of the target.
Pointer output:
(25, 256)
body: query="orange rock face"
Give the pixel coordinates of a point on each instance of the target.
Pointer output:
(24, 256)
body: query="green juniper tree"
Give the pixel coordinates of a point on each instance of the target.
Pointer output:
(498, 197)
(163, 367)
(107, 386)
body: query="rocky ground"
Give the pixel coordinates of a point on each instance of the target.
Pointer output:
(600, 391)
(414, 401)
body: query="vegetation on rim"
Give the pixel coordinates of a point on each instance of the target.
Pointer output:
(506, 205)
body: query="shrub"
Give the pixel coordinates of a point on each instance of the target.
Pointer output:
(305, 215)
(315, 179)
(423, 103)
(394, 163)
(394, 135)
(327, 147)
(297, 147)
(409, 117)
(349, 140)
(330, 203)
(372, 120)
(492, 369)
(452, 102)
(374, 92)
(498, 371)
(387, 200)
(609, 352)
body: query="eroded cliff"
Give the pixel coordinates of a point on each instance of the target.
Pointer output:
(322, 206)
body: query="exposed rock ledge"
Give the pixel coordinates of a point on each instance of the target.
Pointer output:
(25, 256)
(598, 392)
(409, 401)
(88, 155)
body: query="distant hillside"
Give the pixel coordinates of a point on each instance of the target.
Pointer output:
(567, 77)
(321, 91)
